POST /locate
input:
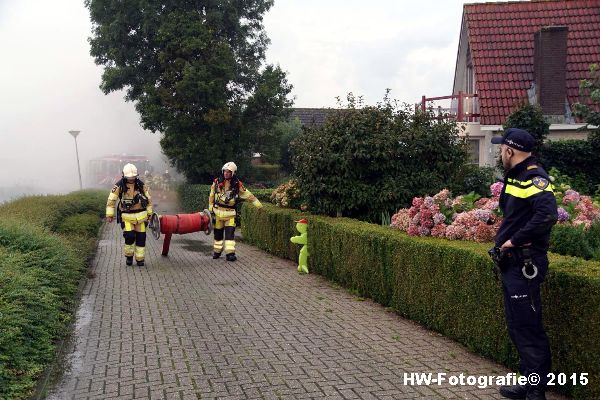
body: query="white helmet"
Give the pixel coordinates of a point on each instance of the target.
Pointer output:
(230, 166)
(130, 171)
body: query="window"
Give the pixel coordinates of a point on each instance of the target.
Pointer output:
(474, 151)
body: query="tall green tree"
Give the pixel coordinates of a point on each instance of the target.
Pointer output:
(195, 70)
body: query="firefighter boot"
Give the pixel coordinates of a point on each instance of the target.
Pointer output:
(129, 260)
(216, 255)
(140, 263)
(231, 257)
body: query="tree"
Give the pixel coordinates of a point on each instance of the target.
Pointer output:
(530, 118)
(287, 132)
(589, 110)
(193, 69)
(366, 160)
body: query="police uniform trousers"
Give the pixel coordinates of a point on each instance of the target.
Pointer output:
(134, 232)
(523, 311)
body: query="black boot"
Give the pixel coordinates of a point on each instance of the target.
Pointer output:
(216, 255)
(516, 392)
(536, 393)
(140, 263)
(129, 260)
(231, 257)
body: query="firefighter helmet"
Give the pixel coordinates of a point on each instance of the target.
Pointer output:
(130, 171)
(230, 166)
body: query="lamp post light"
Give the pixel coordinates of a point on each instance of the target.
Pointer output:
(74, 134)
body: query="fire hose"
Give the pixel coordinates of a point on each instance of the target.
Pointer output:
(180, 224)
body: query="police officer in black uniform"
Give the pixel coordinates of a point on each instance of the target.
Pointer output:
(530, 211)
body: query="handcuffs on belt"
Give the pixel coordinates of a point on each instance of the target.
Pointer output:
(529, 269)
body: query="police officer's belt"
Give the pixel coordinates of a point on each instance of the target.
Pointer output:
(225, 206)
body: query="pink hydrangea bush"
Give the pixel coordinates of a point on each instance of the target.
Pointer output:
(442, 216)
(576, 209)
(586, 212)
(401, 220)
(458, 218)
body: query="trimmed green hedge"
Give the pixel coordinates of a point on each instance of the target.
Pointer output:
(45, 242)
(575, 241)
(194, 198)
(445, 285)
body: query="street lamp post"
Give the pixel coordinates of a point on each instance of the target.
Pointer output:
(74, 134)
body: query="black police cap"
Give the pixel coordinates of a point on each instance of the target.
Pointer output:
(516, 138)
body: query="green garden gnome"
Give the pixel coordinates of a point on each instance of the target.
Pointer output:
(302, 227)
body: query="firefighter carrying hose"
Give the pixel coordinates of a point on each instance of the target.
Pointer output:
(135, 207)
(225, 193)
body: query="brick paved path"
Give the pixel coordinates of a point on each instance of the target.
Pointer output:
(190, 327)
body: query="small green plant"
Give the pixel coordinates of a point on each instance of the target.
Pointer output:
(467, 202)
(386, 218)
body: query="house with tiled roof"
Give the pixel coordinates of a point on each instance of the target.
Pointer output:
(311, 117)
(514, 53)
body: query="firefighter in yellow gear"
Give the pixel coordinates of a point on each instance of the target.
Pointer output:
(134, 209)
(225, 193)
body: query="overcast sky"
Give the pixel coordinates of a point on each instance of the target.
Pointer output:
(49, 82)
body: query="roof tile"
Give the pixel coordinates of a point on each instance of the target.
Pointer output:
(501, 42)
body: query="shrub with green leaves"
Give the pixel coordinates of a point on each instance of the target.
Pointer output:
(473, 178)
(530, 118)
(578, 160)
(287, 195)
(570, 241)
(589, 108)
(44, 244)
(366, 160)
(80, 224)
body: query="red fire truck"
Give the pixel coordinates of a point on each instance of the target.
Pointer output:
(106, 171)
